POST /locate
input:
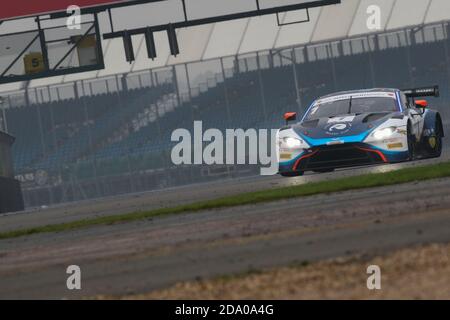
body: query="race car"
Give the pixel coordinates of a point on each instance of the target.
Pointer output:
(361, 127)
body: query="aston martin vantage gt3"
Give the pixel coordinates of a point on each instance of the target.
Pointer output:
(362, 127)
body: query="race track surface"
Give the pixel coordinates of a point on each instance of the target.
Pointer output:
(145, 255)
(181, 195)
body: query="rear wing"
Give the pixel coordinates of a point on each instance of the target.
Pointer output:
(422, 92)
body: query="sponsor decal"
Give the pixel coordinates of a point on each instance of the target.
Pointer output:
(398, 145)
(286, 156)
(342, 119)
(335, 142)
(336, 129)
(314, 110)
(356, 96)
(432, 142)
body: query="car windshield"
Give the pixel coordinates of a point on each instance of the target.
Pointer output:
(351, 105)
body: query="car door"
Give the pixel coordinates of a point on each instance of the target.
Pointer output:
(415, 115)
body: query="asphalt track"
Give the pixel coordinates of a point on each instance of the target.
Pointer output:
(145, 255)
(182, 195)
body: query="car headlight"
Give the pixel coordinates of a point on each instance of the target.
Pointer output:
(291, 143)
(381, 134)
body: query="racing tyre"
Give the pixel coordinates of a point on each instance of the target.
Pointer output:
(433, 144)
(291, 174)
(411, 144)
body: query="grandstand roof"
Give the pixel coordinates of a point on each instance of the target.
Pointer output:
(255, 34)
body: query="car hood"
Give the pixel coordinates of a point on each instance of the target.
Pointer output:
(343, 126)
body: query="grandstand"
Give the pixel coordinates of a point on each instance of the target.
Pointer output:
(108, 132)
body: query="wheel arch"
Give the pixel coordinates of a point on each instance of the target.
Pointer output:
(432, 123)
(441, 125)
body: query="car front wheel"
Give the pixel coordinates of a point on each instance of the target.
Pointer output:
(411, 144)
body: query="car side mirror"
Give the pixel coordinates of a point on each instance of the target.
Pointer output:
(422, 104)
(290, 116)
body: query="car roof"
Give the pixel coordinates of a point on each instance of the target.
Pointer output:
(359, 91)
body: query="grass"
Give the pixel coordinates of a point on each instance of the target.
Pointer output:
(350, 183)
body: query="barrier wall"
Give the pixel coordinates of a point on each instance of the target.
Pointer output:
(10, 195)
(11, 199)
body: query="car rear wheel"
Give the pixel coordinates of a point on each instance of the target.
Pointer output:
(433, 144)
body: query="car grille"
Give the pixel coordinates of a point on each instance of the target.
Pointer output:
(339, 156)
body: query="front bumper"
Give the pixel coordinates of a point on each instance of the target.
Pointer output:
(341, 156)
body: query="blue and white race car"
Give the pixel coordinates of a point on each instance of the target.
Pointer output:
(361, 127)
